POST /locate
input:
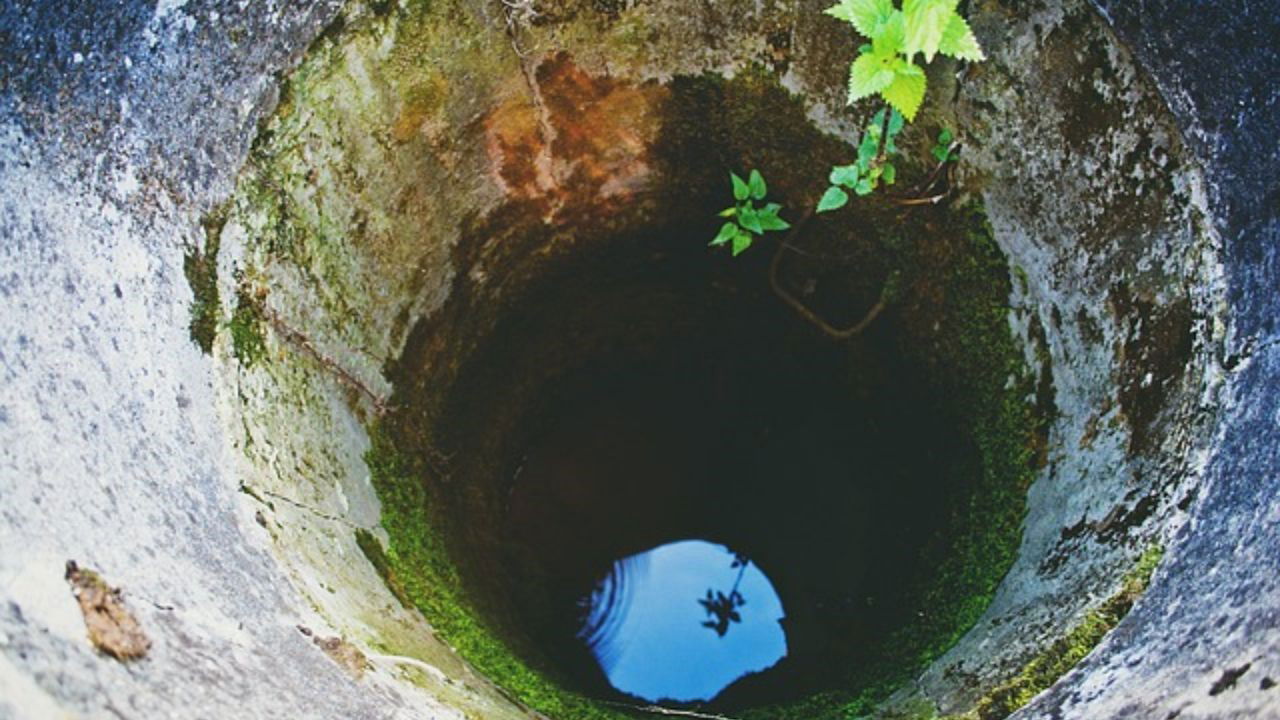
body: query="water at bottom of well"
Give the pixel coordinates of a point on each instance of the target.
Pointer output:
(683, 621)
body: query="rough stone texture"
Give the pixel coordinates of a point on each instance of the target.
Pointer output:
(1211, 612)
(1119, 298)
(1214, 64)
(121, 123)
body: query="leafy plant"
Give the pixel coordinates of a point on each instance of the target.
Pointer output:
(943, 149)
(872, 166)
(746, 218)
(887, 65)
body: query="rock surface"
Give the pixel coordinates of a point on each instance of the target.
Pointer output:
(1205, 641)
(120, 125)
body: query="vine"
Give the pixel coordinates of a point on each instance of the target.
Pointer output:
(885, 66)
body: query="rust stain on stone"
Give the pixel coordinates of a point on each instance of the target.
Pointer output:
(112, 628)
(582, 140)
(515, 146)
(347, 656)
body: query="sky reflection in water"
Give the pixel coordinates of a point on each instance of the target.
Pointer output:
(659, 635)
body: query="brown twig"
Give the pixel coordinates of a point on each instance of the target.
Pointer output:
(303, 343)
(818, 256)
(930, 200)
(803, 310)
(659, 710)
(915, 195)
(438, 460)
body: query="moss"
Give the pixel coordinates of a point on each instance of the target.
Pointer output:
(417, 555)
(954, 308)
(1046, 668)
(952, 282)
(377, 557)
(372, 127)
(1024, 284)
(1042, 672)
(201, 269)
(248, 342)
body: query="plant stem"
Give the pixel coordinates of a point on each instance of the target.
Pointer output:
(884, 131)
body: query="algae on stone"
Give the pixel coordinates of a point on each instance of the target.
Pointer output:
(201, 268)
(1064, 653)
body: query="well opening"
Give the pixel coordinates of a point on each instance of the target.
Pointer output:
(631, 388)
(499, 260)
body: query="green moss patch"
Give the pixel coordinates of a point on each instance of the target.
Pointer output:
(953, 315)
(367, 245)
(201, 269)
(248, 341)
(429, 578)
(377, 557)
(1042, 672)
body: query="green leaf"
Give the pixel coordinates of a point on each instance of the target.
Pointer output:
(875, 174)
(842, 10)
(892, 36)
(770, 209)
(773, 222)
(866, 16)
(864, 186)
(749, 220)
(846, 175)
(925, 20)
(907, 90)
(942, 148)
(867, 150)
(741, 242)
(869, 74)
(729, 212)
(889, 174)
(833, 199)
(958, 40)
(757, 186)
(740, 189)
(727, 231)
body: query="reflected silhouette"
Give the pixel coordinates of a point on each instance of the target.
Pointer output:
(724, 608)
